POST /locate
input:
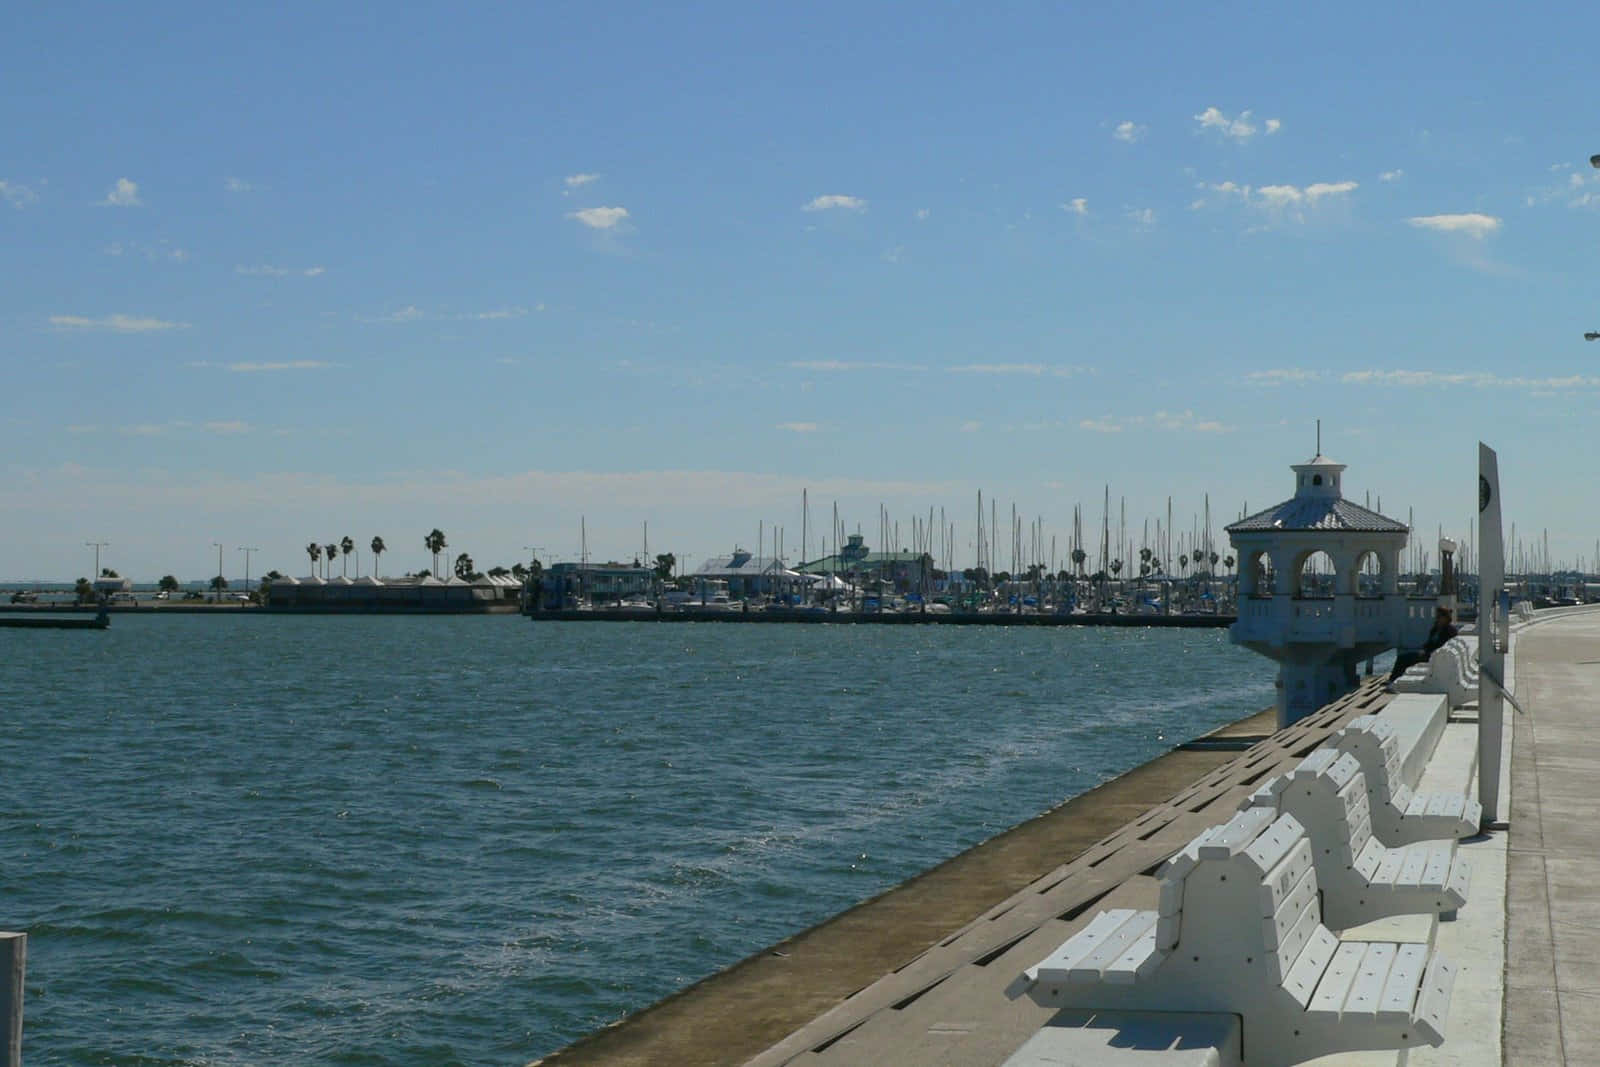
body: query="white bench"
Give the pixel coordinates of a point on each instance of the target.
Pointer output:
(1400, 816)
(1239, 932)
(1361, 879)
(1452, 669)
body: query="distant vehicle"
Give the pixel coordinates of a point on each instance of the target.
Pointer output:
(243, 598)
(163, 595)
(23, 596)
(192, 595)
(123, 598)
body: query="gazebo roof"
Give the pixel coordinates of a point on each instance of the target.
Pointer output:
(1331, 514)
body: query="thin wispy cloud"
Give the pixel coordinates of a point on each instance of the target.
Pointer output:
(266, 270)
(1283, 376)
(578, 181)
(1426, 379)
(847, 365)
(1240, 129)
(922, 214)
(1142, 217)
(1471, 224)
(1391, 175)
(1168, 421)
(971, 426)
(835, 202)
(1030, 370)
(600, 218)
(18, 196)
(1129, 132)
(152, 253)
(1078, 205)
(499, 313)
(798, 427)
(1279, 203)
(124, 193)
(115, 323)
(227, 426)
(409, 313)
(237, 185)
(266, 367)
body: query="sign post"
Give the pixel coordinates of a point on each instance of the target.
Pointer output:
(1493, 633)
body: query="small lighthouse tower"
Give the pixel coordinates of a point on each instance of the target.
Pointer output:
(1318, 621)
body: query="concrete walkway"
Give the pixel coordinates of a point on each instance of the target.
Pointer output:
(1552, 1000)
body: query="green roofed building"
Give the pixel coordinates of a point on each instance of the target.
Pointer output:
(856, 563)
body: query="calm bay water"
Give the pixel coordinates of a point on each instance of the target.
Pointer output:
(412, 840)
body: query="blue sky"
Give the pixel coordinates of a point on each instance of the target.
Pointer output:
(285, 274)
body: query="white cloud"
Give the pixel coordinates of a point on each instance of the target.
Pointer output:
(1032, 370)
(115, 323)
(228, 426)
(798, 427)
(266, 270)
(1078, 205)
(293, 364)
(1105, 424)
(1280, 201)
(409, 313)
(843, 365)
(922, 214)
(1422, 379)
(1129, 132)
(18, 196)
(123, 194)
(1171, 421)
(971, 426)
(500, 313)
(1145, 217)
(1240, 128)
(835, 200)
(237, 185)
(1391, 175)
(1283, 376)
(1471, 224)
(600, 218)
(578, 181)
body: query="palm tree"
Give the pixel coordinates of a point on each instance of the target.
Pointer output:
(314, 550)
(83, 589)
(1078, 556)
(464, 567)
(333, 551)
(434, 542)
(346, 546)
(519, 572)
(378, 549)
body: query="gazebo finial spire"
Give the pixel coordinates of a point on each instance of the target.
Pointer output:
(1319, 437)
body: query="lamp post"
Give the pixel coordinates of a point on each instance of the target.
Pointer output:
(97, 546)
(247, 551)
(216, 595)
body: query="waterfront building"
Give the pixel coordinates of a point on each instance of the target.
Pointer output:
(748, 576)
(390, 594)
(566, 585)
(1319, 589)
(903, 571)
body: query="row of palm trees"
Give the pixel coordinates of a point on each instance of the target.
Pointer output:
(345, 547)
(434, 541)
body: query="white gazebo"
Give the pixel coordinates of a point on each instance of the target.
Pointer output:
(1320, 622)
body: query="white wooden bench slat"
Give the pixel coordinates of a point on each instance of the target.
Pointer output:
(1454, 804)
(1291, 944)
(1411, 868)
(1091, 967)
(1139, 961)
(1237, 834)
(1399, 796)
(1433, 998)
(1282, 879)
(1338, 978)
(1367, 991)
(1418, 807)
(1400, 990)
(1370, 861)
(1460, 877)
(1280, 923)
(1301, 981)
(1057, 965)
(1282, 836)
(1436, 874)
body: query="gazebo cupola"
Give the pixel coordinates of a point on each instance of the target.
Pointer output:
(1319, 587)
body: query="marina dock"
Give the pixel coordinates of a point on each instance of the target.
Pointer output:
(928, 972)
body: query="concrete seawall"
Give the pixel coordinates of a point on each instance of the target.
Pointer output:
(810, 990)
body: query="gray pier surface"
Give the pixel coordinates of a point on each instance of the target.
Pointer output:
(1552, 991)
(995, 904)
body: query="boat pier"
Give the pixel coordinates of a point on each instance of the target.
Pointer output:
(930, 971)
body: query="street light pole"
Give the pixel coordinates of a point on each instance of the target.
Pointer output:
(216, 597)
(247, 551)
(97, 546)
